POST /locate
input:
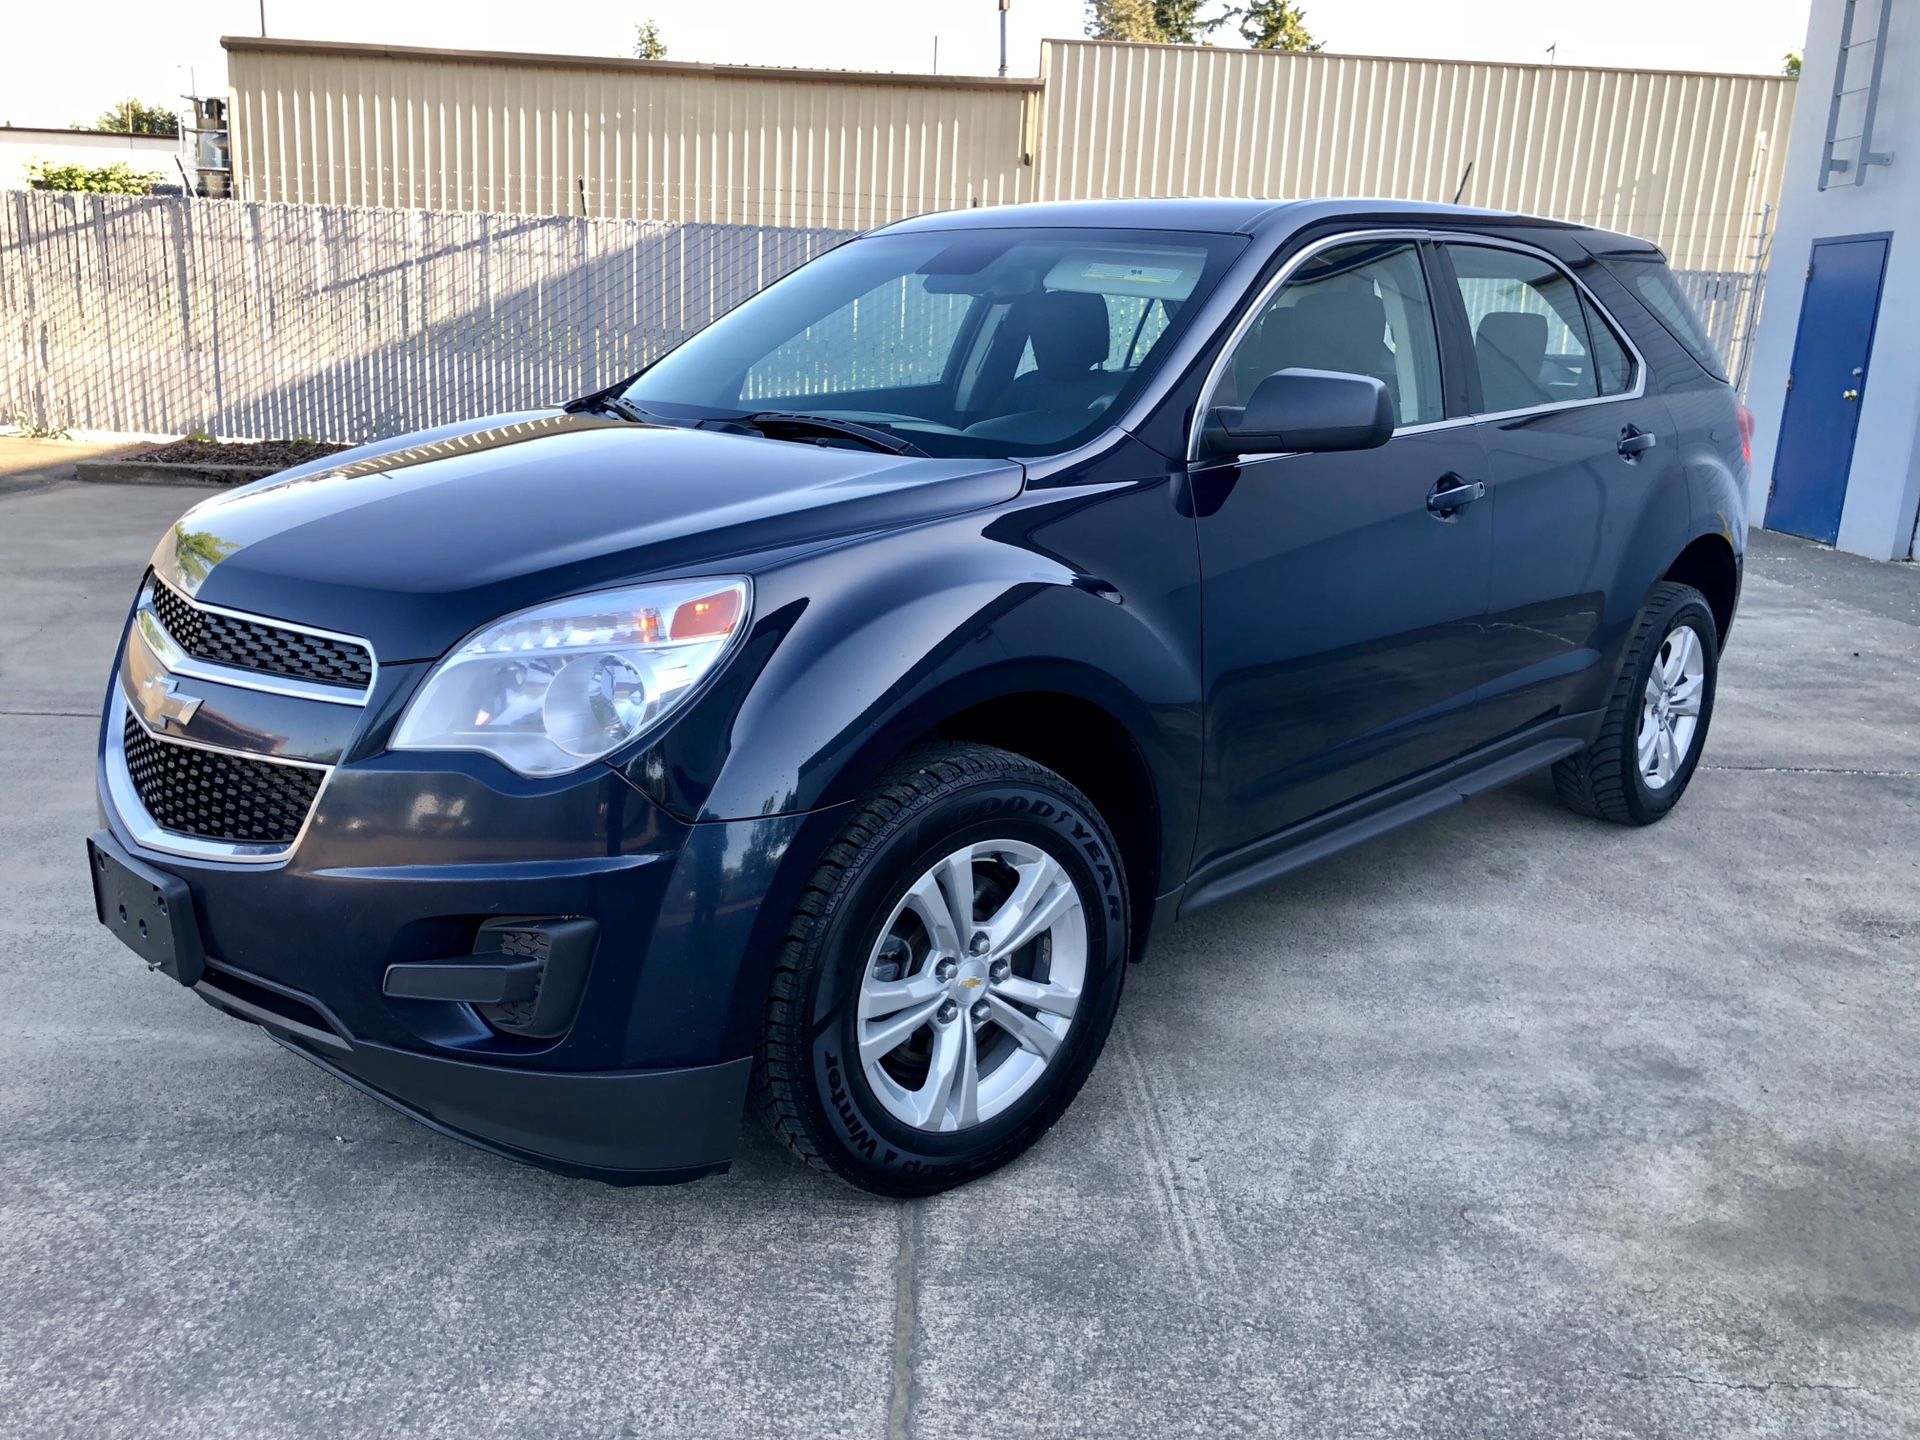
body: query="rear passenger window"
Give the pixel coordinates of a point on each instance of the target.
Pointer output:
(1612, 366)
(1653, 284)
(1360, 309)
(1530, 337)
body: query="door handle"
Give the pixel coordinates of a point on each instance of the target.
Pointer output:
(1849, 394)
(1634, 441)
(1450, 493)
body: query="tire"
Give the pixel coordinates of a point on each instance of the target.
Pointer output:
(1611, 779)
(868, 931)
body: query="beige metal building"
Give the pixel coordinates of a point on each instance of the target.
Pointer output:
(619, 139)
(1684, 159)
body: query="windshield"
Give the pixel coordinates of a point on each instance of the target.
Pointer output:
(976, 342)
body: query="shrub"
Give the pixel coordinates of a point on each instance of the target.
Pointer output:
(118, 178)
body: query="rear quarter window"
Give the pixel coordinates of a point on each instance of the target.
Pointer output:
(1654, 286)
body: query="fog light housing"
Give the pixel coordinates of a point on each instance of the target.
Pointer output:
(524, 977)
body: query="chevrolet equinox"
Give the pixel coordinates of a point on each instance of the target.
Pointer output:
(824, 716)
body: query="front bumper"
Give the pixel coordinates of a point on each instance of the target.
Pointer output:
(626, 1127)
(405, 862)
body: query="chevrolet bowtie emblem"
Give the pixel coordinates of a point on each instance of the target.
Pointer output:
(171, 707)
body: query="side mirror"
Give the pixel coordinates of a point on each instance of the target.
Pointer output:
(1304, 410)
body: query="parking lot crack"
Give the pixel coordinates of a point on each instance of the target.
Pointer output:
(1817, 770)
(1755, 1385)
(1474, 1372)
(906, 1302)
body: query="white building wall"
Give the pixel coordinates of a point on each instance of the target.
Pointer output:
(21, 146)
(1883, 490)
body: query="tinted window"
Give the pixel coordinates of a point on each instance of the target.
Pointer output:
(1133, 324)
(976, 342)
(1653, 284)
(1530, 340)
(858, 346)
(1612, 365)
(1362, 309)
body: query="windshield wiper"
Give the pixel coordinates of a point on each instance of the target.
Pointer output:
(878, 437)
(621, 406)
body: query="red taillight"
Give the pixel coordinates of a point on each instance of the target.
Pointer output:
(1746, 433)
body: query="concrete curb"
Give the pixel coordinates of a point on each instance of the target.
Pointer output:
(156, 472)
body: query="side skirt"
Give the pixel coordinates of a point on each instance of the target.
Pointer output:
(1374, 815)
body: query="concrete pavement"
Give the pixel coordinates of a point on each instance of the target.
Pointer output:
(1511, 1124)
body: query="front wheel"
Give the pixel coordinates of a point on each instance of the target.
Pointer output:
(1655, 724)
(950, 977)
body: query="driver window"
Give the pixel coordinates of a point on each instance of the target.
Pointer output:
(1362, 309)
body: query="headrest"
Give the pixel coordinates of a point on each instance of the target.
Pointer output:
(1068, 329)
(1517, 336)
(1347, 325)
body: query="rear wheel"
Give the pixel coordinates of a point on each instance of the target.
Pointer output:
(1656, 721)
(950, 977)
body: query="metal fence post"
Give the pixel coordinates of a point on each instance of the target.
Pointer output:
(1756, 283)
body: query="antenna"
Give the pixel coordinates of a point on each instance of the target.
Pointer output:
(1005, 5)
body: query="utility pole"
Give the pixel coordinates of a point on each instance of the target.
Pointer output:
(1005, 5)
(263, 19)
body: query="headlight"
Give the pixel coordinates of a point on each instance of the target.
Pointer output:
(554, 688)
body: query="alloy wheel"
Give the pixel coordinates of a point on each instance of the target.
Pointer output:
(1670, 712)
(972, 985)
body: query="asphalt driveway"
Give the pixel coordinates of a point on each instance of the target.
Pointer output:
(1510, 1124)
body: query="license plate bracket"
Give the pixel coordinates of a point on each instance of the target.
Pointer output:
(150, 910)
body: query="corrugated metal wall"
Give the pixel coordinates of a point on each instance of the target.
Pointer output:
(639, 140)
(1682, 159)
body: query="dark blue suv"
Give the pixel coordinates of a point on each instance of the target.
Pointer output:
(826, 715)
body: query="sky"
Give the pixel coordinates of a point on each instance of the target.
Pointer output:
(66, 63)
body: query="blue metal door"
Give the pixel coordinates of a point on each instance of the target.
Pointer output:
(1824, 390)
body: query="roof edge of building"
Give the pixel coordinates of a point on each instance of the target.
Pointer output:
(1421, 59)
(347, 49)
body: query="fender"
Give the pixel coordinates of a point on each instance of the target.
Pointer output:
(1712, 458)
(862, 648)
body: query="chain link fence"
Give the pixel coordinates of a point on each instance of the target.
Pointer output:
(167, 315)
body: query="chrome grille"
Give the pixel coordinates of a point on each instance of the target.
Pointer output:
(214, 795)
(223, 639)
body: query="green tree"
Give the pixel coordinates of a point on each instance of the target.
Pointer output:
(1275, 25)
(647, 44)
(1164, 22)
(119, 178)
(1791, 65)
(131, 117)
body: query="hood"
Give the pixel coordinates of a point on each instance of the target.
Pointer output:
(416, 542)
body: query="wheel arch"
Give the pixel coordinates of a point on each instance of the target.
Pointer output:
(1088, 747)
(1082, 726)
(1708, 564)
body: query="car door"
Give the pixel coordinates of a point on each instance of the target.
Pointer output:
(1344, 617)
(1576, 451)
